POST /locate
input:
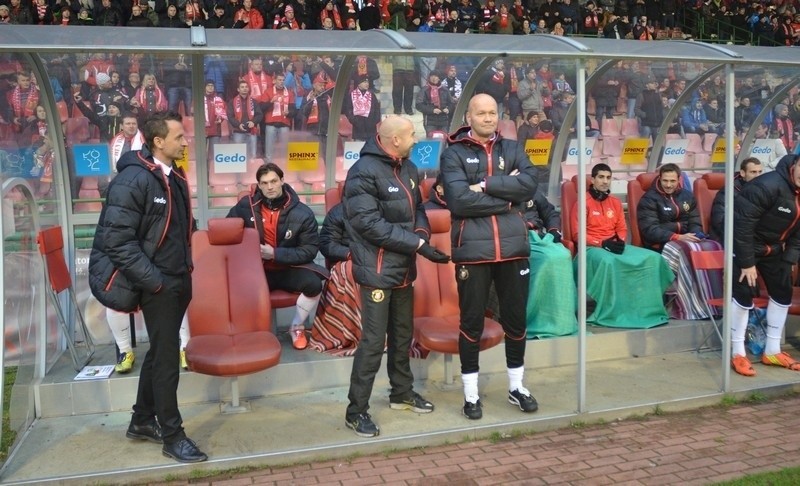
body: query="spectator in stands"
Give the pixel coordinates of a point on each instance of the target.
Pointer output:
(219, 19)
(193, 13)
(715, 116)
(749, 169)
(693, 120)
(109, 124)
(178, 80)
(171, 19)
(366, 66)
(385, 235)
(104, 94)
(215, 114)
(287, 229)
(668, 10)
(529, 127)
(495, 83)
(766, 242)
(649, 108)
(22, 102)
(667, 211)
(642, 31)
(590, 19)
(550, 12)
(42, 13)
(609, 259)
(150, 13)
(504, 22)
(403, 80)
(128, 242)
(84, 17)
(248, 17)
(558, 29)
(316, 107)
(479, 195)
(331, 11)
(138, 18)
(149, 98)
(541, 27)
(279, 110)
(529, 92)
(617, 27)
(468, 16)
(606, 92)
(362, 108)
(107, 15)
(244, 113)
(369, 17)
(433, 101)
(4, 14)
(784, 127)
(743, 114)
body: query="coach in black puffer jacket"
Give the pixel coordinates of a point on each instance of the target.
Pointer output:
(767, 216)
(664, 217)
(118, 269)
(488, 226)
(385, 218)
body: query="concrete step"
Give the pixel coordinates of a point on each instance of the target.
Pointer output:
(308, 371)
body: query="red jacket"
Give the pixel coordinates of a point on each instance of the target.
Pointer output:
(604, 219)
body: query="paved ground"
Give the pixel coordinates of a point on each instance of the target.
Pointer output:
(695, 447)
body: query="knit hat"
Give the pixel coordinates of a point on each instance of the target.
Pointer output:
(4, 7)
(102, 78)
(288, 9)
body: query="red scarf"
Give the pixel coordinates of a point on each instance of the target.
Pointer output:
(361, 69)
(313, 116)
(362, 102)
(280, 106)
(498, 77)
(194, 11)
(503, 20)
(26, 108)
(437, 102)
(259, 84)
(334, 14)
(514, 80)
(238, 111)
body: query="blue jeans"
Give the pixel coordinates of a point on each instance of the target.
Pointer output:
(177, 94)
(248, 138)
(273, 134)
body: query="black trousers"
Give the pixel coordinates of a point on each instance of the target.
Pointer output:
(777, 276)
(403, 91)
(300, 280)
(511, 280)
(158, 380)
(387, 317)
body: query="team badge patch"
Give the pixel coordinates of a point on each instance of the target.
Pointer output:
(463, 273)
(288, 235)
(377, 295)
(686, 206)
(610, 214)
(501, 163)
(412, 184)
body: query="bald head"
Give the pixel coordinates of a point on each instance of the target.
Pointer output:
(396, 135)
(482, 117)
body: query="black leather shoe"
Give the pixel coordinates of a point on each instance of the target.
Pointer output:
(185, 450)
(151, 432)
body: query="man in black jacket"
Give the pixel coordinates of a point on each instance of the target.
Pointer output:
(387, 225)
(289, 242)
(766, 242)
(141, 258)
(749, 169)
(487, 182)
(667, 211)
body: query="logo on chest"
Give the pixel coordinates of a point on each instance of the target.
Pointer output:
(393, 189)
(159, 200)
(784, 210)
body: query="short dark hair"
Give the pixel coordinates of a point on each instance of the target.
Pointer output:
(747, 161)
(600, 167)
(268, 167)
(669, 168)
(156, 125)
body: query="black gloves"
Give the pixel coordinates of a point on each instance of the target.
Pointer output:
(614, 245)
(556, 235)
(433, 254)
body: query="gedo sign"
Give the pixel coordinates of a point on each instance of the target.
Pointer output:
(230, 158)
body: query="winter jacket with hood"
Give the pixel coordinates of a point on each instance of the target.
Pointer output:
(131, 230)
(385, 218)
(488, 226)
(718, 209)
(767, 216)
(664, 217)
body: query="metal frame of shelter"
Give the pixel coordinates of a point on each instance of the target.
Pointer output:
(601, 54)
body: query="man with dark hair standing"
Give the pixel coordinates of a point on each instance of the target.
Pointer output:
(749, 169)
(386, 221)
(289, 242)
(141, 258)
(487, 182)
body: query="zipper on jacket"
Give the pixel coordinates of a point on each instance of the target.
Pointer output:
(408, 195)
(796, 217)
(111, 280)
(495, 232)
(379, 263)
(169, 209)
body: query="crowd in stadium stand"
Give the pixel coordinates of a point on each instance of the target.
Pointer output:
(771, 22)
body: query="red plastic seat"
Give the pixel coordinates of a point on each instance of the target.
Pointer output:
(51, 247)
(508, 129)
(76, 130)
(630, 127)
(609, 127)
(705, 190)
(436, 312)
(636, 189)
(229, 315)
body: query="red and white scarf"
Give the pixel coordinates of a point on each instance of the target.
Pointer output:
(151, 100)
(26, 108)
(119, 141)
(437, 102)
(238, 111)
(259, 84)
(362, 102)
